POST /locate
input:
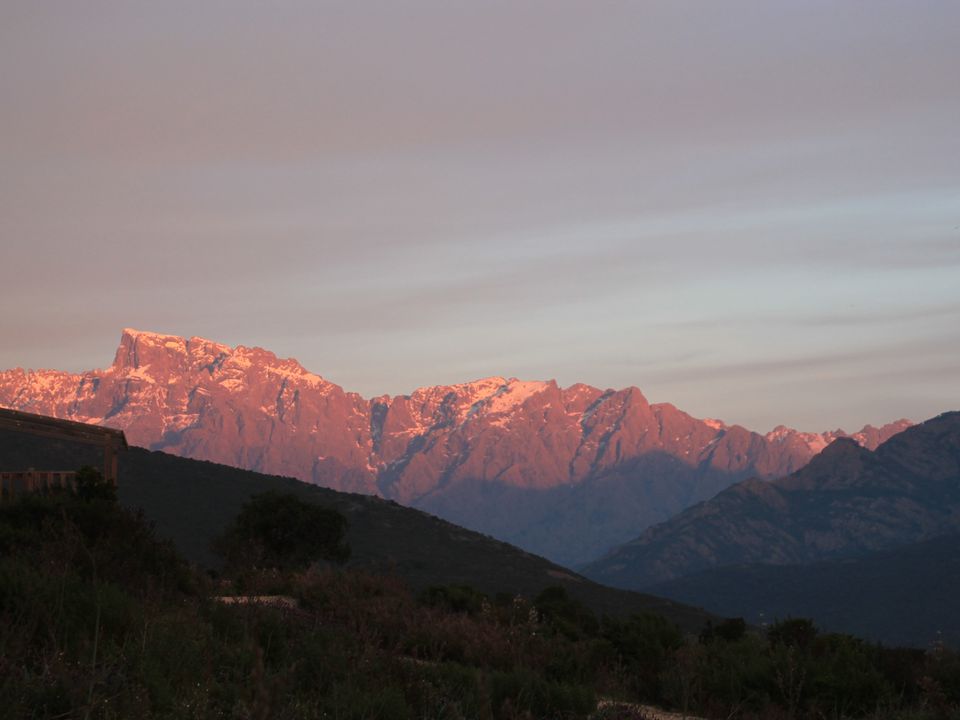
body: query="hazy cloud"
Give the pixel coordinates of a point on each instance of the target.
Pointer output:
(405, 193)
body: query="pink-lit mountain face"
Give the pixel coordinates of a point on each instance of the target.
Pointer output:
(563, 472)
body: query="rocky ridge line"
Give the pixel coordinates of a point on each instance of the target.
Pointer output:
(565, 472)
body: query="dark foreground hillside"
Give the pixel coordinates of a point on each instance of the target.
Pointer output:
(191, 502)
(99, 620)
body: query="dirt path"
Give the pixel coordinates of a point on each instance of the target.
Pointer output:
(647, 712)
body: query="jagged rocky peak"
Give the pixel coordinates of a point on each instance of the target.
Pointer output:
(872, 437)
(206, 353)
(846, 501)
(468, 392)
(258, 360)
(842, 452)
(838, 465)
(869, 437)
(615, 406)
(461, 451)
(140, 349)
(153, 356)
(159, 354)
(579, 397)
(426, 406)
(779, 433)
(447, 407)
(514, 393)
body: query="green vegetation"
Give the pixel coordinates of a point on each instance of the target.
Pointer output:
(98, 619)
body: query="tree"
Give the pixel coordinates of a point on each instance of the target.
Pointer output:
(92, 486)
(567, 615)
(276, 530)
(645, 643)
(793, 632)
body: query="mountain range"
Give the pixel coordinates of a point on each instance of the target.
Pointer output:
(846, 503)
(567, 473)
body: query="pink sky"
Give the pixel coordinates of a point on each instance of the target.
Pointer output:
(751, 210)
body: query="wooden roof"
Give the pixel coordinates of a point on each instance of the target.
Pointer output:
(61, 429)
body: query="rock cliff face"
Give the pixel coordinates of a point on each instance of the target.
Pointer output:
(848, 501)
(564, 472)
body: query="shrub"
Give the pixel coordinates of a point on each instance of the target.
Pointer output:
(454, 598)
(276, 530)
(92, 486)
(523, 691)
(646, 644)
(565, 615)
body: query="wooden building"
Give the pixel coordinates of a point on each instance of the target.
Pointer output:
(22, 481)
(19, 482)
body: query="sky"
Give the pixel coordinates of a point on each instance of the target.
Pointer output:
(748, 209)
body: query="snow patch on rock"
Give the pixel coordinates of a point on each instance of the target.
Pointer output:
(513, 394)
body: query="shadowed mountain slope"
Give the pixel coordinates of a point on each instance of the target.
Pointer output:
(848, 501)
(191, 502)
(904, 596)
(563, 472)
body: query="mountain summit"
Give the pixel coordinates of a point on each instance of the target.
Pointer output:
(563, 472)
